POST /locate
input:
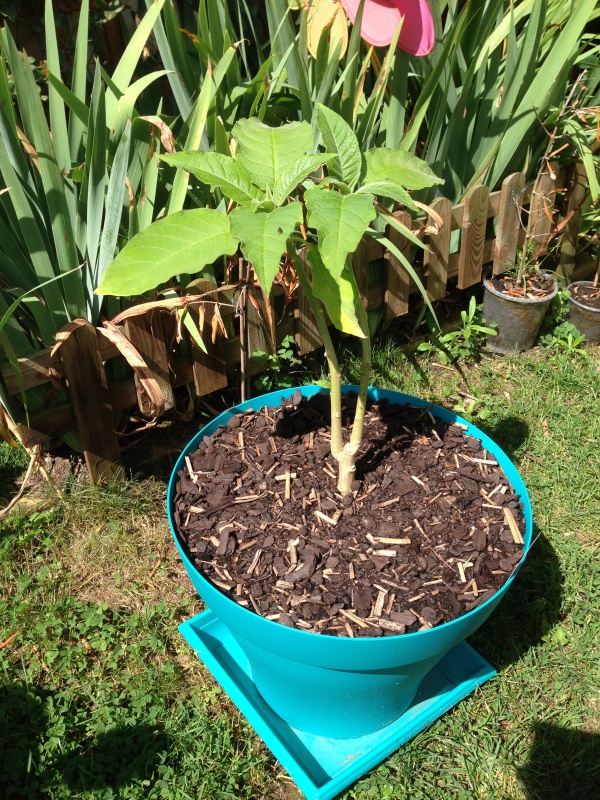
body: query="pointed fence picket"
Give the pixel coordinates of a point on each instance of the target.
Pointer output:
(463, 248)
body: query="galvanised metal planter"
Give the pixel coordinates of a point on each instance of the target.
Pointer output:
(331, 707)
(519, 319)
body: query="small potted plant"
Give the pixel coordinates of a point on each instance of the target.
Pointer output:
(584, 307)
(289, 200)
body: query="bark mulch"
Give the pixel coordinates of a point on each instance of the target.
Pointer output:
(535, 287)
(431, 530)
(587, 295)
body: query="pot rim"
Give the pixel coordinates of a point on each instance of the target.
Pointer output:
(274, 399)
(525, 301)
(578, 303)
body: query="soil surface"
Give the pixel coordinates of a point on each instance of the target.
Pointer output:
(431, 530)
(587, 296)
(534, 287)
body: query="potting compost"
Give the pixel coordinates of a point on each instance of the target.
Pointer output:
(431, 530)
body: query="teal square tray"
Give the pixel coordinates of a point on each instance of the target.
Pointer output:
(322, 768)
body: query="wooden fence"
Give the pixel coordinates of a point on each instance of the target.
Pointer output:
(80, 361)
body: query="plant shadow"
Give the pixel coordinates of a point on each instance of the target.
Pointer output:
(531, 608)
(110, 760)
(563, 764)
(510, 433)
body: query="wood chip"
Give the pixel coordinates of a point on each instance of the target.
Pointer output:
(387, 540)
(191, 472)
(254, 563)
(388, 625)
(378, 607)
(389, 502)
(512, 524)
(325, 518)
(360, 622)
(461, 571)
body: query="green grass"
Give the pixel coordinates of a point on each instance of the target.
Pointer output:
(101, 698)
(13, 460)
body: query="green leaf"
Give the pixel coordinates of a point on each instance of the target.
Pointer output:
(211, 84)
(263, 236)
(266, 152)
(182, 242)
(114, 204)
(128, 61)
(408, 267)
(218, 171)
(339, 295)
(399, 167)
(341, 221)
(297, 172)
(391, 190)
(339, 138)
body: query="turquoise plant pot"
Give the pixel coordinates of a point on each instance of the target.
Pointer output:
(327, 685)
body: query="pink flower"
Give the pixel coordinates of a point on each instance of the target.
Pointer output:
(382, 17)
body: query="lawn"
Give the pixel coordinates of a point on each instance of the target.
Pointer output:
(101, 698)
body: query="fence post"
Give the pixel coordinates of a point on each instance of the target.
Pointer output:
(147, 334)
(509, 223)
(570, 235)
(541, 209)
(306, 331)
(396, 280)
(210, 371)
(475, 217)
(90, 401)
(436, 257)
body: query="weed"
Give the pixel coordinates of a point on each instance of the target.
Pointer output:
(565, 338)
(282, 370)
(462, 344)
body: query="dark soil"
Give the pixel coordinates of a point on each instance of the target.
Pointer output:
(431, 530)
(535, 287)
(587, 296)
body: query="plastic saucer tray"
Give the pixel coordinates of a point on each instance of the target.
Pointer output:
(322, 768)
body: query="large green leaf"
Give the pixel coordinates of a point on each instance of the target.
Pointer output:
(263, 236)
(399, 167)
(289, 179)
(389, 189)
(340, 296)
(266, 152)
(182, 242)
(341, 221)
(218, 171)
(339, 138)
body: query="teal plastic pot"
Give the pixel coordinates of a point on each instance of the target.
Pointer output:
(327, 685)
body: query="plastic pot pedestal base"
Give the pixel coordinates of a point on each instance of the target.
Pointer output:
(322, 768)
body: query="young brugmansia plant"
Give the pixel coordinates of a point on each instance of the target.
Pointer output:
(287, 199)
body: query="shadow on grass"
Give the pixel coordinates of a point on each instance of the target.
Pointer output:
(41, 751)
(564, 764)
(529, 611)
(510, 433)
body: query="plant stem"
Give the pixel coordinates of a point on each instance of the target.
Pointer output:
(350, 453)
(337, 442)
(345, 454)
